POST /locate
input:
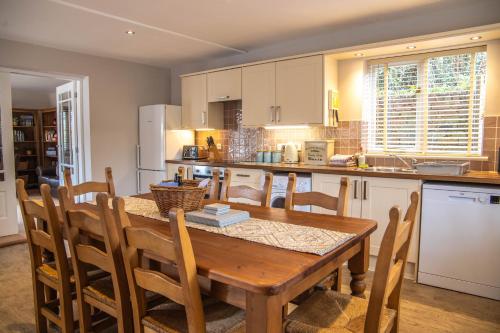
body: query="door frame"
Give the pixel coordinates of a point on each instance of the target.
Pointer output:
(84, 139)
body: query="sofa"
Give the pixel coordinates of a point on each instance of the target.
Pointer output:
(50, 177)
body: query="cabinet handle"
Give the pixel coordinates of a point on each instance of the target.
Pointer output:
(203, 117)
(223, 97)
(278, 115)
(272, 114)
(242, 175)
(365, 194)
(355, 189)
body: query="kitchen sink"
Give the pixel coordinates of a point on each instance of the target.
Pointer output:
(389, 169)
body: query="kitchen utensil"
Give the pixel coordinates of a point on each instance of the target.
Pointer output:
(267, 157)
(276, 156)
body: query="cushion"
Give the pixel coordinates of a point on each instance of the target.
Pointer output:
(329, 311)
(219, 317)
(49, 270)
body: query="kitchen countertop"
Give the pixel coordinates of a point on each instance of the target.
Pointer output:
(478, 177)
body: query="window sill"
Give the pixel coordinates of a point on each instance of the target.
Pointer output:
(432, 157)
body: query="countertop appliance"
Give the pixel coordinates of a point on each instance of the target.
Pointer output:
(318, 152)
(460, 238)
(193, 152)
(290, 153)
(159, 139)
(280, 183)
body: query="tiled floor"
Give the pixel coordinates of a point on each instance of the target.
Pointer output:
(423, 309)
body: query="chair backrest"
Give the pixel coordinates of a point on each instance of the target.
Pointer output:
(90, 187)
(391, 263)
(244, 191)
(213, 192)
(87, 232)
(339, 204)
(176, 249)
(43, 229)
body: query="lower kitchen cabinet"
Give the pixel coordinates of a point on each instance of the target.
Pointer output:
(372, 198)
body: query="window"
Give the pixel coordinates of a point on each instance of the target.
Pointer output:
(428, 104)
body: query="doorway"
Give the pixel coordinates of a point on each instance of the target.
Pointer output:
(43, 131)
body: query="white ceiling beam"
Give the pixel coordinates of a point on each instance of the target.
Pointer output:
(144, 25)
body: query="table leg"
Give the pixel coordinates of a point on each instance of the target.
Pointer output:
(358, 265)
(263, 313)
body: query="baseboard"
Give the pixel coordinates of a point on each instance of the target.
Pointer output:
(12, 240)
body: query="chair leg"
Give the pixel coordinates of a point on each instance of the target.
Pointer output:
(337, 282)
(85, 320)
(66, 313)
(39, 296)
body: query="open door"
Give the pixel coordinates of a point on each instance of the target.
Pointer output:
(67, 121)
(8, 207)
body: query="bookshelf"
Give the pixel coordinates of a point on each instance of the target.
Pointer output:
(26, 144)
(48, 138)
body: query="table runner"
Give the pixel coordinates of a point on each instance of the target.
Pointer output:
(278, 234)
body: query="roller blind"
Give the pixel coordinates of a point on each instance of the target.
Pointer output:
(430, 105)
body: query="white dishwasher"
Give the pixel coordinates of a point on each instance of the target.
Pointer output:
(460, 238)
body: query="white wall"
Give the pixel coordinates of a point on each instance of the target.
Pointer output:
(31, 99)
(350, 86)
(117, 89)
(455, 15)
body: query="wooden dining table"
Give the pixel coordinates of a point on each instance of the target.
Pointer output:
(262, 279)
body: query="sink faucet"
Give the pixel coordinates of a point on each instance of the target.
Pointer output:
(409, 166)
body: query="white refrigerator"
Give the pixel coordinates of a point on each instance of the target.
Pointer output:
(160, 138)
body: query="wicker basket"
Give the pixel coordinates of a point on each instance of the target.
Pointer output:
(188, 196)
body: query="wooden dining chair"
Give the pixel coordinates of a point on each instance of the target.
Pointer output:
(244, 191)
(331, 311)
(90, 187)
(338, 204)
(44, 233)
(111, 294)
(187, 312)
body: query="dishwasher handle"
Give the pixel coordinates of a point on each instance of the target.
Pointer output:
(462, 198)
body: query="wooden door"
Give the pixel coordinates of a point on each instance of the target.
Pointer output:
(224, 85)
(378, 196)
(8, 207)
(194, 101)
(299, 91)
(258, 94)
(330, 184)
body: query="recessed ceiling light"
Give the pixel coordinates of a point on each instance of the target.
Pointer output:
(358, 54)
(411, 47)
(476, 38)
(130, 32)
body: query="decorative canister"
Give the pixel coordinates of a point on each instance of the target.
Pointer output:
(276, 156)
(267, 157)
(259, 157)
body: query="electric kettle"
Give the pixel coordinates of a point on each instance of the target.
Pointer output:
(290, 154)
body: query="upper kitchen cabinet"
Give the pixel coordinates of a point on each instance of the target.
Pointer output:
(224, 85)
(197, 113)
(258, 94)
(299, 91)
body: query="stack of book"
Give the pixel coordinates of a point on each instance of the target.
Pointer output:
(216, 209)
(217, 215)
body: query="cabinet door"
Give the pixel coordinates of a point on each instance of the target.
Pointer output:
(299, 91)
(379, 195)
(249, 177)
(194, 101)
(258, 94)
(224, 85)
(330, 184)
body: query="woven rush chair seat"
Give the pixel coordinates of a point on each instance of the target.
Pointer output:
(102, 290)
(219, 317)
(49, 270)
(344, 313)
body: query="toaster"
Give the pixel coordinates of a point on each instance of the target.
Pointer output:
(194, 152)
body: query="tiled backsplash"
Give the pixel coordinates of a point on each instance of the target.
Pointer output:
(241, 144)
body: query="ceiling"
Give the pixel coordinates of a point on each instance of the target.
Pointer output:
(169, 32)
(35, 83)
(34, 92)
